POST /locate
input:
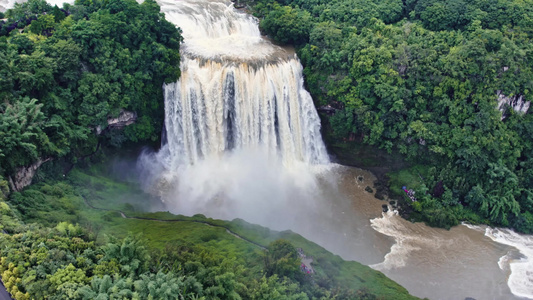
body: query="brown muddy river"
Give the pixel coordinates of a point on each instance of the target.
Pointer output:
(431, 262)
(336, 212)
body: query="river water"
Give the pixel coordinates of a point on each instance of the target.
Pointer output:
(440, 264)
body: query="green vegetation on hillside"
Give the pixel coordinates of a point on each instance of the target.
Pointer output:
(63, 73)
(422, 78)
(96, 252)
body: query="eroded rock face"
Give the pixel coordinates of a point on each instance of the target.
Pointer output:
(517, 102)
(125, 118)
(24, 175)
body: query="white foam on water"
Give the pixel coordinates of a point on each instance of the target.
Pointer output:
(473, 227)
(521, 278)
(406, 241)
(503, 262)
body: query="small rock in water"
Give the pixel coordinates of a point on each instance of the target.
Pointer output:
(361, 178)
(385, 208)
(379, 195)
(369, 189)
(393, 203)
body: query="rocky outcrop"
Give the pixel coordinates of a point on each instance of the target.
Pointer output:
(517, 102)
(328, 109)
(125, 118)
(24, 175)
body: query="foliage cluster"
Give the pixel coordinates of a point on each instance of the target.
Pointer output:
(64, 263)
(69, 70)
(422, 78)
(44, 257)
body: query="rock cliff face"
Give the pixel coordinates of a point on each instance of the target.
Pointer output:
(517, 102)
(125, 118)
(24, 175)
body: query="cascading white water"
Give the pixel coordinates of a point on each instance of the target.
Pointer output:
(217, 107)
(242, 134)
(236, 91)
(521, 277)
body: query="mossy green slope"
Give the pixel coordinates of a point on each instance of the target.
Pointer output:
(108, 207)
(234, 238)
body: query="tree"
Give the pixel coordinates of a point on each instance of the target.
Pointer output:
(43, 23)
(65, 282)
(273, 288)
(21, 133)
(281, 259)
(130, 254)
(287, 25)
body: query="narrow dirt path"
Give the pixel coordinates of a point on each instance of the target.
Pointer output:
(123, 215)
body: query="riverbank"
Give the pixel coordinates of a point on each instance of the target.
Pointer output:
(436, 256)
(108, 201)
(381, 164)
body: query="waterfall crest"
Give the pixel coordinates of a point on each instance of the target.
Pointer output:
(214, 30)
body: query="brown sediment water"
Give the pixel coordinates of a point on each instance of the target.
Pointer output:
(432, 262)
(441, 264)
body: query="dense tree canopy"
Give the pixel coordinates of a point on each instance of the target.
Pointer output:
(71, 69)
(423, 78)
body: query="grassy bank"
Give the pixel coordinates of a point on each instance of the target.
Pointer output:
(348, 274)
(68, 200)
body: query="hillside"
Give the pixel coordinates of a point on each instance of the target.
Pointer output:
(93, 248)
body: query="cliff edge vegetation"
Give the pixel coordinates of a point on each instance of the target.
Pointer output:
(67, 74)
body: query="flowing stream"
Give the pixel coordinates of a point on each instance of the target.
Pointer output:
(243, 141)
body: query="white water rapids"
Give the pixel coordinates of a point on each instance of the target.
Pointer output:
(243, 140)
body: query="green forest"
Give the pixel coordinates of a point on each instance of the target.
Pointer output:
(64, 72)
(422, 78)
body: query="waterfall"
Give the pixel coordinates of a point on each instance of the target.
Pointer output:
(236, 91)
(242, 136)
(217, 107)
